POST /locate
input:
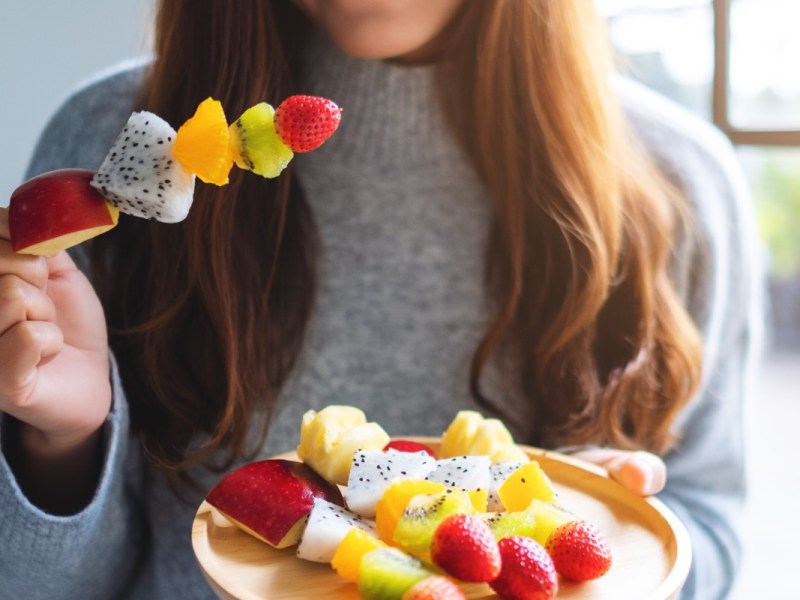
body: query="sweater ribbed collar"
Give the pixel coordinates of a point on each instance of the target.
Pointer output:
(390, 116)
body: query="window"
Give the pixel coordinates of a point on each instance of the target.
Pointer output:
(756, 75)
(736, 63)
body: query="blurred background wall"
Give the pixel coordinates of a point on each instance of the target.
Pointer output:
(47, 47)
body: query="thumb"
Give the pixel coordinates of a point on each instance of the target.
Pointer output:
(61, 265)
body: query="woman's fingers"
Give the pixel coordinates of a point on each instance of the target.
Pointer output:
(32, 269)
(53, 347)
(29, 338)
(22, 301)
(642, 473)
(23, 347)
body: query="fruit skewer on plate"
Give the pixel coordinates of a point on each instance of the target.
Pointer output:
(150, 170)
(411, 525)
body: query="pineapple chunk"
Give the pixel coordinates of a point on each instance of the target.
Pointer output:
(329, 438)
(460, 433)
(470, 434)
(511, 453)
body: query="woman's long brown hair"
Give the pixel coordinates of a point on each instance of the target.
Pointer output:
(579, 257)
(207, 317)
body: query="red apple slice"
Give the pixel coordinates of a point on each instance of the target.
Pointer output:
(270, 499)
(57, 210)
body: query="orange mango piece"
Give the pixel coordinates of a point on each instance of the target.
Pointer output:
(203, 144)
(346, 560)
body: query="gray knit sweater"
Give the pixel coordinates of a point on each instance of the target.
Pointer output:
(402, 219)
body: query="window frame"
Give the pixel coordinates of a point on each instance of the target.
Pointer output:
(721, 90)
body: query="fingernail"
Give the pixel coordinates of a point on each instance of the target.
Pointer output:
(646, 469)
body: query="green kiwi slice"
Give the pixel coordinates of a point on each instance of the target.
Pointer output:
(387, 573)
(256, 146)
(548, 517)
(415, 528)
(506, 524)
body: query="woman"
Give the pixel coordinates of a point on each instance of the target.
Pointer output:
(487, 229)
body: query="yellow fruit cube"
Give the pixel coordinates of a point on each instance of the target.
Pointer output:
(479, 499)
(524, 485)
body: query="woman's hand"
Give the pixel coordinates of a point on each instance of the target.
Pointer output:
(54, 366)
(643, 473)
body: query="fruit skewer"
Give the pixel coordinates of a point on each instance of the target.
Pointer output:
(413, 523)
(150, 170)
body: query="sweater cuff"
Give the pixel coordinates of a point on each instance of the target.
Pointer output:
(28, 529)
(716, 548)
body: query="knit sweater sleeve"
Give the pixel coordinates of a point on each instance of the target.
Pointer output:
(91, 554)
(96, 552)
(722, 283)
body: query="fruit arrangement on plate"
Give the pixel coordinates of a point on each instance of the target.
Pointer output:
(150, 170)
(399, 520)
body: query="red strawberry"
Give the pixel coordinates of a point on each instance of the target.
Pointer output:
(528, 572)
(580, 551)
(409, 446)
(463, 546)
(304, 122)
(435, 587)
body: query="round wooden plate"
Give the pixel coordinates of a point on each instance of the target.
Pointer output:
(650, 547)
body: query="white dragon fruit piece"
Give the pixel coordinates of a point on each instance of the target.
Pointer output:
(139, 175)
(499, 472)
(463, 472)
(373, 470)
(325, 528)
